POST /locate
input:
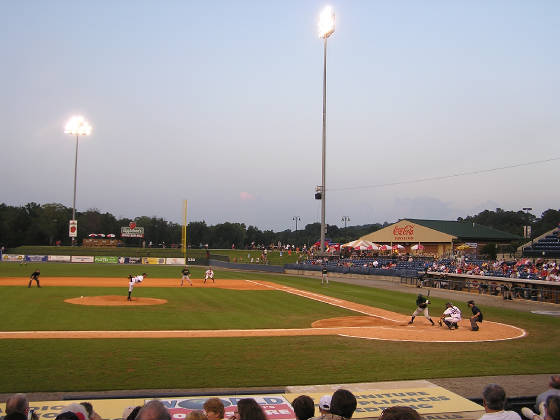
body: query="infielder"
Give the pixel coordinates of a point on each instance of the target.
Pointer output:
(132, 281)
(324, 275)
(451, 316)
(421, 306)
(34, 277)
(186, 275)
(209, 275)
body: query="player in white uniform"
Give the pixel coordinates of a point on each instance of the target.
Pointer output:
(132, 281)
(451, 316)
(209, 275)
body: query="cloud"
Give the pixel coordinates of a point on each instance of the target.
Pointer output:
(246, 196)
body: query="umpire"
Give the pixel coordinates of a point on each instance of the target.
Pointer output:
(476, 316)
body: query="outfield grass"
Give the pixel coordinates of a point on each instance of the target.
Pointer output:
(74, 365)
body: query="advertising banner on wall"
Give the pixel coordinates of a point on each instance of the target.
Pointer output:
(106, 260)
(82, 259)
(13, 257)
(130, 260)
(153, 260)
(36, 258)
(175, 261)
(59, 258)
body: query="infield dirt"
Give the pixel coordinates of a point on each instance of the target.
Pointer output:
(372, 323)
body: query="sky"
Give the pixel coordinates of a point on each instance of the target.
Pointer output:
(220, 103)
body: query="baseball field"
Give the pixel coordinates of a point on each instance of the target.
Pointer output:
(78, 332)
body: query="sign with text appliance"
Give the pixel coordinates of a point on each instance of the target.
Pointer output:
(132, 232)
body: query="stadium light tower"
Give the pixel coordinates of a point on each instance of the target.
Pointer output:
(326, 29)
(76, 126)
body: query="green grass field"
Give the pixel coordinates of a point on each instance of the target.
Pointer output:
(103, 364)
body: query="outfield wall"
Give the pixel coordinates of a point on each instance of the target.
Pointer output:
(100, 259)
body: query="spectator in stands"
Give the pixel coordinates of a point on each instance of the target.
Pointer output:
(92, 415)
(494, 401)
(343, 405)
(554, 389)
(131, 412)
(196, 415)
(73, 411)
(552, 408)
(214, 409)
(153, 410)
(248, 409)
(324, 406)
(304, 407)
(400, 413)
(17, 407)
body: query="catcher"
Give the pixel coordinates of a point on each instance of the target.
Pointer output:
(421, 306)
(451, 316)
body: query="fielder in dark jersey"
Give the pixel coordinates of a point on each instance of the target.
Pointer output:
(34, 277)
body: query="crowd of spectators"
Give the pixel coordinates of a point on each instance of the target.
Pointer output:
(524, 268)
(341, 405)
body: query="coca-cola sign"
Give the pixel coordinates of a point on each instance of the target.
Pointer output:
(403, 233)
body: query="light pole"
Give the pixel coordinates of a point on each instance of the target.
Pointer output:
(528, 229)
(76, 126)
(345, 219)
(326, 29)
(296, 219)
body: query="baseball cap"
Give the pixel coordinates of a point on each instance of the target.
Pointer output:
(325, 402)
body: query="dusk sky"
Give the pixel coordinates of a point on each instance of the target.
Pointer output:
(220, 103)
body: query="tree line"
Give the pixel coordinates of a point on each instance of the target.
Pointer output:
(47, 224)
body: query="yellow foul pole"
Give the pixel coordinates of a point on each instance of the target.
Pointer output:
(184, 232)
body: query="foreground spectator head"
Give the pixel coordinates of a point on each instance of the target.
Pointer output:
(17, 407)
(552, 408)
(214, 408)
(494, 397)
(92, 415)
(325, 404)
(153, 410)
(343, 403)
(249, 409)
(131, 412)
(67, 415)
(400, 413)
(77, 409)
(555, 382)
(304, 407)
(196, 415)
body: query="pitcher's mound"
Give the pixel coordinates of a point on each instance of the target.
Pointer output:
(113, 300)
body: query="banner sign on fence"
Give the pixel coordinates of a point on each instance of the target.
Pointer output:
(175, 261)
(13, 257)
(36, 258)
(59, 258)
(153, 260)
(82, 259)
(130, 260)
(106, 260)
